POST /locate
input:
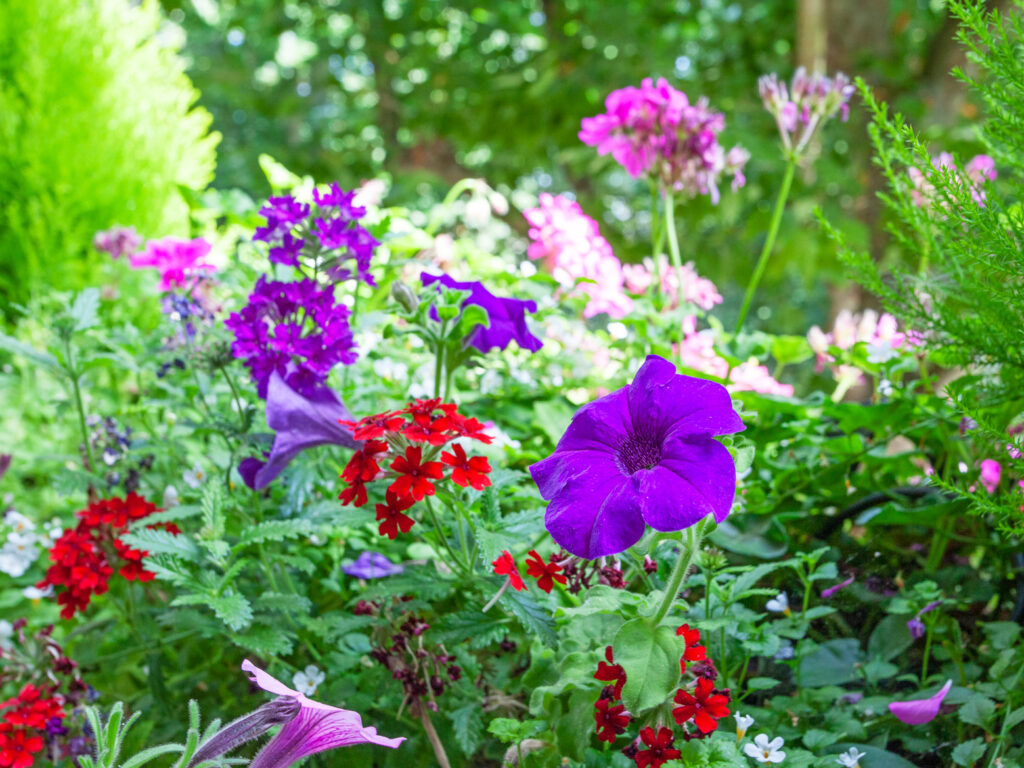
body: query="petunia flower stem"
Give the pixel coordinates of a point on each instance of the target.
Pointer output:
(769, 242)
(682, 567)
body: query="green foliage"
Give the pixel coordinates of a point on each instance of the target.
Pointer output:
(102, 134)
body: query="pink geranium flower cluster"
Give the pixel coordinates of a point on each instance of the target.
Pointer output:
(571, 246)
(697, 352)
(697, 290)
(654, 130)
(178, 261)
(879, 332)
(808, 102)
(979, 170)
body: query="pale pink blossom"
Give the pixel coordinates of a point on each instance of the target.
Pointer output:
(697, 290)
(752, 377)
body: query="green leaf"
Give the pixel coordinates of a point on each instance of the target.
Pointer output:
(890, 638)
(233, 609)
(274, 530)
(761, 683)
(788, 350)
(509, 731)
(472, 316)
(157, 541)
(532, 616)
(16, 347)
(967, 753)
(817, 739)
(481, 631)
(552, 416)
(85, 309)
(977, 710)
(650, 657)
(146, 755)
(264, 640)
(873, 756)
(468, 724)
(834, 662)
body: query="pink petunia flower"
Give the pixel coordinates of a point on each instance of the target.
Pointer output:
(316, 728)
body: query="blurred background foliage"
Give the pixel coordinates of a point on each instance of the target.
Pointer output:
(423, 93)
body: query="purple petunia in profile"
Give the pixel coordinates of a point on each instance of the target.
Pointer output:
(300, 423)
(372, 565)
(507, 317)
(316, 728)
(920, 711)
(642, 455)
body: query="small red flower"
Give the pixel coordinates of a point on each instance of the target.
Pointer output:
(506, 566)
(660, 751)
(611, 673)
(355, 494)
(545, 573)
(17, 748)
(469, 471)
(376, 426)
(694, 650)
(611, 719)
(415, 474)
(363, 467)
(703, 706)
(391, 515)
(465, 426)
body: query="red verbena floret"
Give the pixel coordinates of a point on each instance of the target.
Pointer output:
(611, 719)
(545, 573)
(694, 650)
(18, 746)
(660, 748)
(391, 517)
(505, 565)
(608, 672)
(414, 474)
(705, 707)
(468, 470)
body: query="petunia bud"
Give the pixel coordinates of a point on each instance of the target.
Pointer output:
(405, 296)
(283, 709)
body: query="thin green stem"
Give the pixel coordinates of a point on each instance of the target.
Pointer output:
(457, 189)
(439, 358)
(73, 375)
(658, 240)
(927, 652)
(769, 243)
(673, 243)
(686, 559)
(439, 531)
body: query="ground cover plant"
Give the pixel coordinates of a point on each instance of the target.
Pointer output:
(333, 479)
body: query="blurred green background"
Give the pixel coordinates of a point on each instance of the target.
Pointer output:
(424, 93)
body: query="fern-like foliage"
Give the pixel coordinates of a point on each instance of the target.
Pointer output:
(97, 127)
(960, 283)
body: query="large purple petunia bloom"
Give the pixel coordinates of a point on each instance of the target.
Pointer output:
(507, 316)
(642, 455)
(301, 423)
(372, 565)
(316, 728)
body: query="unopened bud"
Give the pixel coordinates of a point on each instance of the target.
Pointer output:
(281, 710)
(405, 296)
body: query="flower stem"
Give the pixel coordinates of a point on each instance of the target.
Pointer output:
(457, 189)
(686, 559)
(72, 372)
(769, 242)
(439, 358)
(435, 741)
(439, 530)
(673, 243)
(658, 239)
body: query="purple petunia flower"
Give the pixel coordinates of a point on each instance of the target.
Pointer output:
(507, 317)
(300, 423)
(316, 728)
(372, 565)
(642, 455)
(919, 711)
(296, 329)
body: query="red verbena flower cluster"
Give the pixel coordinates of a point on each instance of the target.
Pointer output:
(546, 573)
(403, 446)
(702, 707)
(24, 720)
(84, 558)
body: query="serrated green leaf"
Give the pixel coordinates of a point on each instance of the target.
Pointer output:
(157, 541)
(650, 657)
(85, 309)
(532, 616)
(509, 731)
(28, 352)
(233, 609)
(480, 630)
(274, 530)
(264, 640)
(468, 724)
(967, 753)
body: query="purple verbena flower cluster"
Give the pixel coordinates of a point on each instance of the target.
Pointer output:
(808, 102)
(655, 130)
(326, 236)
(296, 329)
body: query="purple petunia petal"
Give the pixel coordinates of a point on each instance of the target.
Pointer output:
(660, 399)
(597, 513)
(598, 425)
(694, 479)
(919, 711)
(372, 565)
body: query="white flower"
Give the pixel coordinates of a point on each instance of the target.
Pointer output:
(617, 330)
(884, 388)
(170, 497)
(18, 553)
(307, 680)
(882, 352)
(765, 751)
(390, 370)
(35, 593)
(778, 604)
(194, 477)
(850, 759)
(743, 722)
(6, 633)
(18, 522)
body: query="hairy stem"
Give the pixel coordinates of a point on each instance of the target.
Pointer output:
(682, 567)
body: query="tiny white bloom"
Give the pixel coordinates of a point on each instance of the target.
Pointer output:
(194, 477)
(170, 497)
(779, 604)
(882, 352)
(743, 722)
(884, 388)
(35, 593)
(765, 751)
(391, 370)
(962, 466)
(527, 269)
(6, 633)
(617, 330)
(18, 553)
(850, 759)
(18, 522)
(307, 680)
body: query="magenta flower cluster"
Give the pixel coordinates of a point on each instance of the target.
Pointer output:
(655, 131)
(180, 262)
(808, 103)
(571, 246)
(324, 238)
(296, 329)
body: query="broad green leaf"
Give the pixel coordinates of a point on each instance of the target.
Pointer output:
(650, 657)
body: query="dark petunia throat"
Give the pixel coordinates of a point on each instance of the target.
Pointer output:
(637, 451)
